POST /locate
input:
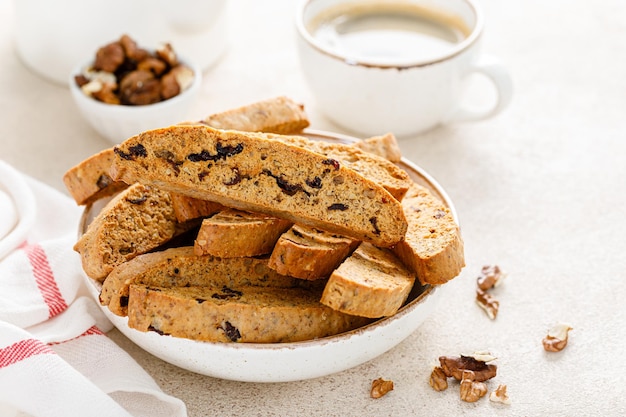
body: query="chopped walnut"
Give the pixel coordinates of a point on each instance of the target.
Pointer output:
(499, 395)
(169, 86)
(380, 387)
(175, 81)
(488, 303)
(167, 54)
(556, 340)
(139, 88)
(109, 57)
(154, 65)
(490, 277)
(438, 379)
(471, 390)
(183, 75)
(131, 49)
(454, 366)
(106, 94)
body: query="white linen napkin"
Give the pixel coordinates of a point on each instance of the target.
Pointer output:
(55, 359)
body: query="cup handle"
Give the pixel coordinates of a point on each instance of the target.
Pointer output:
(501, 79)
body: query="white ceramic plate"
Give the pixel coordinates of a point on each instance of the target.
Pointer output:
(17, 209)
(283, 362)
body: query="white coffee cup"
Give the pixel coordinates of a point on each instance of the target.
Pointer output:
(401, 66)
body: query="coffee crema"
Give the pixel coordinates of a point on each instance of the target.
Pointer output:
(387, 33)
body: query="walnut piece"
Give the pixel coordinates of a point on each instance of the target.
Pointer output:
(557, 336)
(488, 303)
(109, 57)
(131, 49)
(499, 395)
(154, 65)
(438, 379)
(167, 54)
(471, 390)
(380, 387)
(106, 94)
(139, 88)
(490, 277)
(454, 366)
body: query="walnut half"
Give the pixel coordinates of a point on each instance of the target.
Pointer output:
(454, 366)
(380, 387)
(438, 379)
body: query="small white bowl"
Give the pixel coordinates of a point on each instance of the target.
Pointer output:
(119, 122)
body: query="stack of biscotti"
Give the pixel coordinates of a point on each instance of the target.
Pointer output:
(299, 239)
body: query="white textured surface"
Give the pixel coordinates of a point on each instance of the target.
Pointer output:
(540, 190)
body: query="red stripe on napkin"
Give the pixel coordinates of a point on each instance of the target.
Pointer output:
(45, 279)
(22, 350)
(93, 330)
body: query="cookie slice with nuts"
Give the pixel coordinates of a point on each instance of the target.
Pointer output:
(371, 282)
(240, 314)
(309, 253)
(135, 221)
(180, 267)
(234, 233)
(252, 172)
(274, 115)
(432, 247)
(90, 180)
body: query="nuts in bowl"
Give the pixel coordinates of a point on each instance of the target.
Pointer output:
(125, 89)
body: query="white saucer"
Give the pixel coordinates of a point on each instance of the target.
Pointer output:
(17, 209)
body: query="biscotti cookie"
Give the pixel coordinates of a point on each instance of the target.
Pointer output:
(179, 267)
(189, 208)
(240, 314)
(233, 233)
(308, 253)
(372, 282)
(90, 180)
(276, 115)
(384, 145)
(138, 219)
(371, 166)
(251, 172)
(433, 247)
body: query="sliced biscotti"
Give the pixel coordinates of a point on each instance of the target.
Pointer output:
(275, 115)
(372, 282)
(136, 220)
(371, 166)
(384, 145)
(433, 247)
(240, 314)
(309, 253)
(233, 233)
(252, 172)
(89, 180)
(189, 208)
(180, 267)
